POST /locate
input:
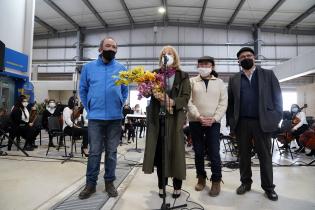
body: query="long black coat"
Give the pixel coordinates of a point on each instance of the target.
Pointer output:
(175, 147)
(270, 100)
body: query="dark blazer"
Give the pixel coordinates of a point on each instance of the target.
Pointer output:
(270, 100)
(16, 118)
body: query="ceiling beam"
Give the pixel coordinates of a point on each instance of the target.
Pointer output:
(271, 12)
(308, 44)
(236, 11)
(96, 14)
(62, 13)
(176, 24)
(301, 17)
(165, 15)
(124, 5)
(45, 25)
(203, 12)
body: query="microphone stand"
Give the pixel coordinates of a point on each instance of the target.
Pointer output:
(164, 134)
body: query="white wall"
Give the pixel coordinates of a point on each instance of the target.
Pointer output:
(306, 96)
(175, 35)
(42, 89)
(180, 35)
(17, 24)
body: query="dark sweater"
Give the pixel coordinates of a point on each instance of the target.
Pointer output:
(249, 96)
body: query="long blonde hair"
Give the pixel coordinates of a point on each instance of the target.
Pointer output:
(176, 63)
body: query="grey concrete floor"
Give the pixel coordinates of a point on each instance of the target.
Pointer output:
(38, 183)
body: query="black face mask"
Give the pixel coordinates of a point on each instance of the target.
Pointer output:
(108, 55)
(247, 63)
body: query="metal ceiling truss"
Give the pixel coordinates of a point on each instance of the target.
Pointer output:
(270, 13)
(45, 25)
(124, 5)
(182, 45)
(301, 17)
(62, 13)
(165, 16)
(96, 14)
(238, 8)
(177, 24)
(204, 7)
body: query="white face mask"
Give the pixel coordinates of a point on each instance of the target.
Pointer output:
(295, 109)
(52, 105)
(204, 72)
(25, 104)
(170, 60)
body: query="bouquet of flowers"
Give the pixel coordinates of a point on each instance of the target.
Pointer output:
(148, 82)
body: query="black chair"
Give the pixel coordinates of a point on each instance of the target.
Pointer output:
(39, 127)
(55, 130)
(229, 144)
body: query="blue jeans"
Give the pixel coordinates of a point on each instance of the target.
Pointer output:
(102, 134)
(209, 137)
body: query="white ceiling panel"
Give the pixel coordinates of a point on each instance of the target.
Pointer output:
(134, 4)
(43, 10)
(253, 11)
(182, 11)
(308, 22)
(73, 7)
(186, 2)
(106, 5)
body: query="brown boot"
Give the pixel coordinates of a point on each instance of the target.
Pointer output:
(215, 189)
(110, 189)
(201, 183)
(87, 192)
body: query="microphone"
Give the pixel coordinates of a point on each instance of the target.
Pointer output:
(165, 58)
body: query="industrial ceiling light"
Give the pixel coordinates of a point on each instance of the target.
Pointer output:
(161, 10)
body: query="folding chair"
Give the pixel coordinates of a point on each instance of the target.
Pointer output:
(55, 130)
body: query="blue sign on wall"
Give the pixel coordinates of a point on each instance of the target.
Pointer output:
(15, 60)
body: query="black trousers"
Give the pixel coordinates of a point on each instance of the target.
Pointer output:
(248, 131)
(78, 132)
(177, 183)
(25, 131)
(202, 137)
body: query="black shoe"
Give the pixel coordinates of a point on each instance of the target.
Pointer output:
(87, 192)
(176, 194)
(272, 195)
(110, 189)
(161, 195)
(34, 146)
(51, 144)
(28, 148)
(243, 189)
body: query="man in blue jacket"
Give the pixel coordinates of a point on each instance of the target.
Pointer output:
(103, 101)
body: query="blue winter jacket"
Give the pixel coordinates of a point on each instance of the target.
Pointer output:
(100, 96)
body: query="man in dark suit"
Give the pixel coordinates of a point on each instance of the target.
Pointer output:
(254, 112)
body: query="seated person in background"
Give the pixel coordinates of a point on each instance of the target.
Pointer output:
(51, 111)
(71, 127)
(139, 122)
(126, 110)
(21, 125)
(300, 125)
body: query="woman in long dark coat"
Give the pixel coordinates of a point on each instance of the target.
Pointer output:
(178, 94)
